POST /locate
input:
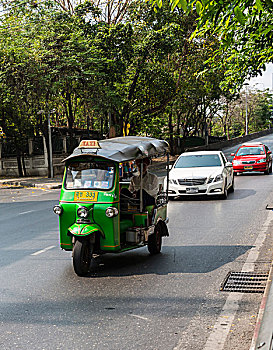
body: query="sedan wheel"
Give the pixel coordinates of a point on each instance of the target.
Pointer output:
(225, 194)
(231, 189)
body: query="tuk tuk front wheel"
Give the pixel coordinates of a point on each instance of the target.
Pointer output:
(82, 255)
(155, 241)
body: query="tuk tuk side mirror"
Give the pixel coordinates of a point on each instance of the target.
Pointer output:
(269, 152)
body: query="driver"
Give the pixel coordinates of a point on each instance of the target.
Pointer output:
(149, 184)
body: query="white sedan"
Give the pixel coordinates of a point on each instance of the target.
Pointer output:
(205, 172)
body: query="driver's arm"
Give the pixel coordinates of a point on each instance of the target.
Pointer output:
(132, 187)
(153, 186)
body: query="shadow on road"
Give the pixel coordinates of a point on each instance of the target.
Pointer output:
(238, 194)
(257, 173)
(173, 259)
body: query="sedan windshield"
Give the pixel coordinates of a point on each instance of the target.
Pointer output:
(91, 175)
(246, 151)
(199, 161)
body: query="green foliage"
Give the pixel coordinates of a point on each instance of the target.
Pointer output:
(144, 71)
(231, 119)
(244, 29)
(239, 15)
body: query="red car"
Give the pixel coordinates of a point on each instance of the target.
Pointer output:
(252, 156)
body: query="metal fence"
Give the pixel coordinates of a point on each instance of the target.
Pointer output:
(9, 148)
(38, 146)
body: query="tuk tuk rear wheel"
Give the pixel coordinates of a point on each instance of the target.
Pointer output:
(82, 255)
(155, 241)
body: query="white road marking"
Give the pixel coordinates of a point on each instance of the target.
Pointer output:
(26, 212)
(141, 317)
(43, 250)
(221, 329)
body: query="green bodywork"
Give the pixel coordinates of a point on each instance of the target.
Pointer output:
(112, 231)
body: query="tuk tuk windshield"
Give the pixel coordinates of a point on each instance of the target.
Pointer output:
(91, 175)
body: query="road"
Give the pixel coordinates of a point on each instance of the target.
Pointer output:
(135, 301)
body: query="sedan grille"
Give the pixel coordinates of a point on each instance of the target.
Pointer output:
(192, 182)
(248, 162)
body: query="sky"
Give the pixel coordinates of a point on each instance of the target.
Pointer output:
(264, 81)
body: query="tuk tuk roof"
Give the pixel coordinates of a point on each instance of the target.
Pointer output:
(122, 149)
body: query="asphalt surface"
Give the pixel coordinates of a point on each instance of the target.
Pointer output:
(132, 301)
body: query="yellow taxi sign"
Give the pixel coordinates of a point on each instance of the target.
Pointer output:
(89, 144)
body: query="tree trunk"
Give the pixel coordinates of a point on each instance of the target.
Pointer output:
(70, 116)
(18, 157)
(228, 136)
(19, 164)
(101, 126)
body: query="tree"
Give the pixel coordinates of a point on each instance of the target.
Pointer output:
(141, 71)
(245, 43)
(169, 87)
(112, 11)
(232, 117)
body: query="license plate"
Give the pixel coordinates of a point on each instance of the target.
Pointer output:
(88, 196)
(192, 190)
(249, 167)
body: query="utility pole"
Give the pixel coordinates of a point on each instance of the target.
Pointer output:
(246, 121)
(271, 117)
(50, 146)
(51, 174)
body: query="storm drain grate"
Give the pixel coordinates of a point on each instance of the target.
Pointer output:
(245, 282)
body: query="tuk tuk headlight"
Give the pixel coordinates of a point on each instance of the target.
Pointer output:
(82, 212)
(57, 209)
(111, 212)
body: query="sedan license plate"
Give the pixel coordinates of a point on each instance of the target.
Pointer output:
(88, 196)
(192, 190)
(249, 167)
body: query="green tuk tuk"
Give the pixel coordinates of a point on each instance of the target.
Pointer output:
(94, 218)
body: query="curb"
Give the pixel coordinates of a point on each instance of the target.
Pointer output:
(259, 339)
(31, 184)
(48, 186)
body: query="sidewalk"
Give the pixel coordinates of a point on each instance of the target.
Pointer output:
(263, 333)
(38, 182)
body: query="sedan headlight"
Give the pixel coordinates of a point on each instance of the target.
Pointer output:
(218, 178)
(236, 162)
(82, 212)
(210, 179)
(263, 160)
(111, 212)
(57, 209)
